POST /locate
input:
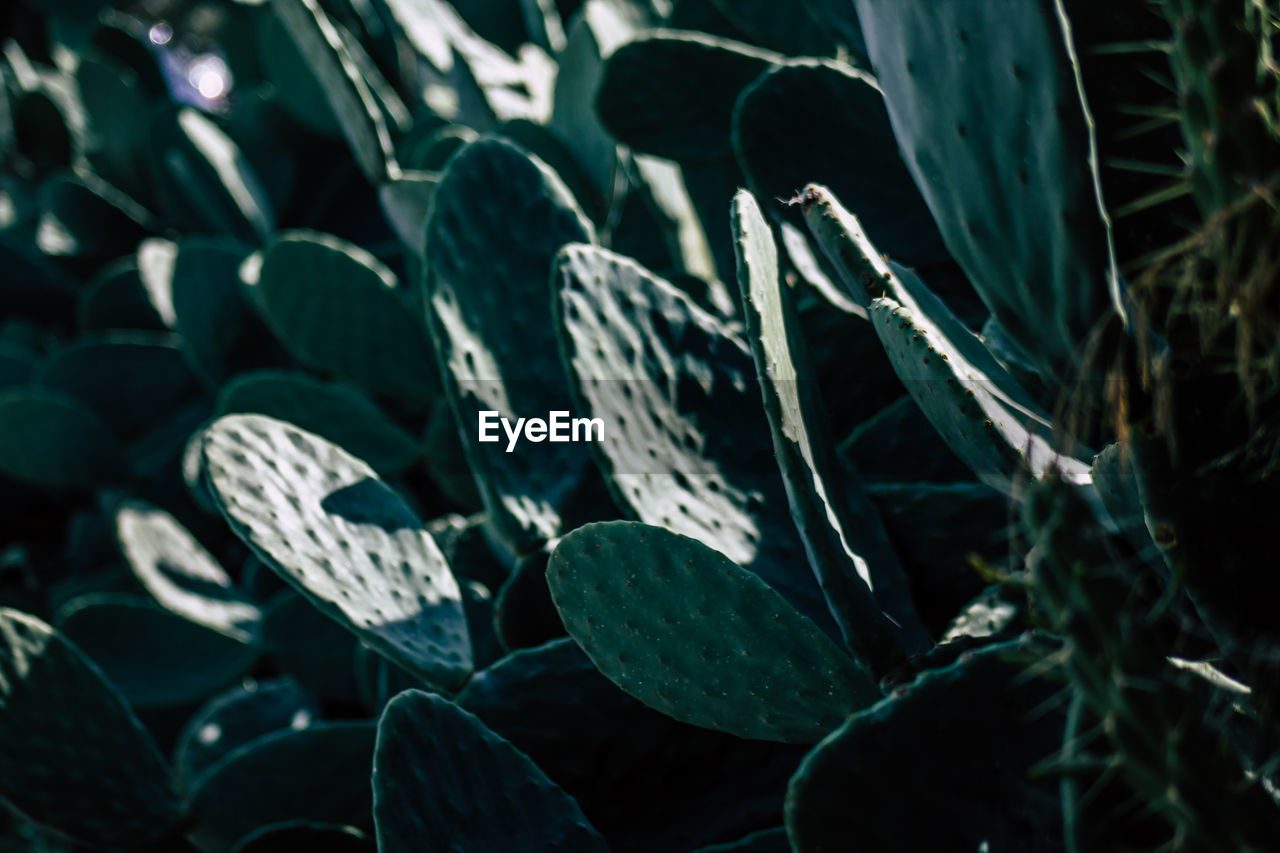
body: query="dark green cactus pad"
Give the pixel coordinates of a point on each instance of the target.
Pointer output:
(539, 141)
(236, 717)
(440, 774)
(676, 389)
(305, 835)
(494, 349)
(985, 102)
(116, 299)
(72, 754)
(51, 440)
(210, 311)
(309, 646)
(132, 380)
(322, 520)
(320, 773)
(670, 786)
(523, 613)
(86, 218)
(337, 413)
(684, 630)
(335, 308)
(847, 547)
(974, 730)
(327, 56)
(181, 575)
(937, 529)
(865, 273)
(898, 445)
(204, 182)
(647, 101)
(183, 661)
(813, 121)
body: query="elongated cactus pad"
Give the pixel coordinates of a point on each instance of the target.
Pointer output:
(324, 522)
(51, 440)
(486, 289)
(645, 98)
(846, 544)
(809, 121)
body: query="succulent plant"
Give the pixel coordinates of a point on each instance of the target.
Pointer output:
(934, 344)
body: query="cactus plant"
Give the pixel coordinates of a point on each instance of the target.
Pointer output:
(933, 347)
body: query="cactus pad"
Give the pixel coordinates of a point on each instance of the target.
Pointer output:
(326, 524)
(180, 574)
(684, 630)
(496, 351)
(975, 729)
(236, 717)
(675, 387)
(846, 544)
(184, 661)
(439, 773)
(340, 414)
(72, 754)
(335, 308)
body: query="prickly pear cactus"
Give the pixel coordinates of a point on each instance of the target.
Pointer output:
(927, 357)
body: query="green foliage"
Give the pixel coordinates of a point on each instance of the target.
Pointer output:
(494, 359)
(236, 717)
(849, 551)
(310, 774)
(682, 628)
(187, 661)
(73, 754)
(438, 766)
(974, 729)
(324, 522)
(843, 569)
(1001, 149)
